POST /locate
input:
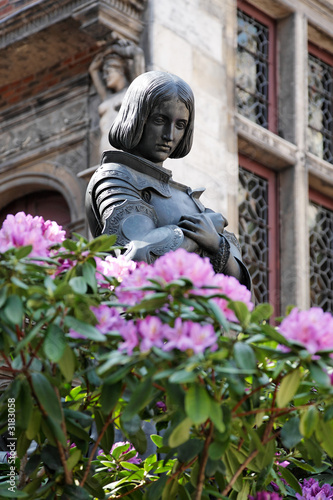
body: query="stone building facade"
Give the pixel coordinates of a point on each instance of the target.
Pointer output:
(262, 75)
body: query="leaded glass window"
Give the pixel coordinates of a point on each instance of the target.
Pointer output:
(321, 256)
(252, 69)
(320, 119)
(253, 230)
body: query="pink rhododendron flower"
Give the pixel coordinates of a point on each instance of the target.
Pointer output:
(312, 328)
(150, 332)
(115, 267)
(189, 335)
(22, 230)
(182, 264)
(130, 335)
(129, 291)
(265, 495)
(312, 491)
(108, 318)
(230, 286)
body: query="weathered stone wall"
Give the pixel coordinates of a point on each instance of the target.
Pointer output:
(194, 39)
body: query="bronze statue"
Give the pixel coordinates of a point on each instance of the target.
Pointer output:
(133, 196)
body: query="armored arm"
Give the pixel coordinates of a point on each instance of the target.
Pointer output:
(115, 205)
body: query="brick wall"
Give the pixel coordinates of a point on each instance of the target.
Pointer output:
(36, 83)
(8, 7)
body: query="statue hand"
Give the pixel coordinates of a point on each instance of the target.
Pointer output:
(218, 220)
(96, 62)
(200, 228)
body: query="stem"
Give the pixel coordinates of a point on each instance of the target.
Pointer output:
(237, 473)
(201, 475)
(94, 449)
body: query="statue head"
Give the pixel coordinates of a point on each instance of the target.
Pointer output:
(115, 72)
(145, 93)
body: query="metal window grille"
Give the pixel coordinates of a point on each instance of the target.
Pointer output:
(252, 69)
(253, 230)
(321, 256)
(320, 114)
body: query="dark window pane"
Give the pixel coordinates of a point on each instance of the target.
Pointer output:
(252, 69)
(253, 230)
(321, 256)
(320, 113)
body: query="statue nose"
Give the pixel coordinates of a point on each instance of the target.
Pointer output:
(168, 133)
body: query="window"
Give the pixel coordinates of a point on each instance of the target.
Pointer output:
(321, 251)
(320, 114)
(258, 229)
(255, 92)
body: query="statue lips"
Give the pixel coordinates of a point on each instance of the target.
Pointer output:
(163, 147)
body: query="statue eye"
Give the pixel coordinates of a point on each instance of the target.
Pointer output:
(181, 125)
(159, 120)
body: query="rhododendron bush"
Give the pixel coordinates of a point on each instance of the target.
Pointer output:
(161, 381)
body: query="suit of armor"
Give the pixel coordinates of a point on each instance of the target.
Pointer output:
(141, 203)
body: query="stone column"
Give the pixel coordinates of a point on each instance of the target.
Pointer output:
(293, 112)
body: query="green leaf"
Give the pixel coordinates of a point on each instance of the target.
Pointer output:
(24, 405)
(157, 440)
(55, 343)
(290, 478)
(288, 388)
(262, 312)
(73, 459)
(139, 441)
(197, 404)
(216, 450)
(34, 424)
(324, 434)
(46, 396)
(139, 398)
(216, 415)
(129, 466)
(108, 437)
(88, 331)
(5, 492)
(19, 283)
(182, 377)
(13, 310)
(187, 451)
(155, 490)
(309, 420)
(319, 375)
(290, 434)
(180, 433)
(67, 364)
(78, 285)
(109, 396)
(89, 274)
(23, 444)
(153, 303)
(244, 356)
(102, 243)
(22, 252)
(241, 311)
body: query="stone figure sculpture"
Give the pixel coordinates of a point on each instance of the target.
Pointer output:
(111, 72)
(133, 196)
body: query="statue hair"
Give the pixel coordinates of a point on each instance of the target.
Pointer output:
(145, 92)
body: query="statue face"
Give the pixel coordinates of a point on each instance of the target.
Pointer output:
(114, 77)
(163, 131)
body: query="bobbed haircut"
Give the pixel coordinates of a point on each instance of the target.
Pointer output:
(146, 92)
